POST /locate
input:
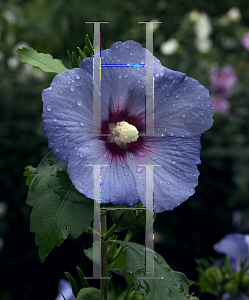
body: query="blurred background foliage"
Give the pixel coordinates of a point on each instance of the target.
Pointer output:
(221, 202)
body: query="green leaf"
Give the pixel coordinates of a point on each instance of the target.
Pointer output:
(58, 208)
(89, 252)
(173, 285)
(82, 277)
(82, 54)
(88, 44)
(73, 283)
(75, 60)
(30, 174)
(45, 62)
(87, 51)
(90, 294)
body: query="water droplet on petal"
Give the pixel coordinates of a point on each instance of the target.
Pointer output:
(79, 102)
(116, 46)
(172, 133)
(127, 46)
(50, 88)
(72, 88)
(184, 116)
(54, 120)
(58, 81)
(131, 54)
(192, 190)
(81, 124)
(57, 150)
(49, 108)
(139, 170)
(77, 76)
(174, 162)
(120, 76)
(154, 158)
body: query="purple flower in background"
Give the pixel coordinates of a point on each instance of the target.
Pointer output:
(182, 112)
(236, 246)
(245, 41)
(65, 288)
(223, 80)
(221, 105)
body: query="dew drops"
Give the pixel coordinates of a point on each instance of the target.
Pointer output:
(58, 81)
(65, 143)
(72, 88)
(81, 124)
(127, 46)
(174, 162)
(172, 133)
(184, 116)
(192, 190)
(79, 102)
(116, 46)
(177, 96)
(120, 76)
(154, 158)
(139, 169)
(50, 88)
(142, 62)
(68, 76)
(131, 54)
(54, 120)
(57, 150)
(77, 76)
(49, 108)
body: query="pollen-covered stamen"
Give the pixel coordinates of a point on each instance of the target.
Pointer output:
(123, 133)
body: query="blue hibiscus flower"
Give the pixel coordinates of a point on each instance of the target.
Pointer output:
(66, 290)
(236, 246)
(182, 112)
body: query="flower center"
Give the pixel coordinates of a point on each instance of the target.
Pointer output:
(123, 133)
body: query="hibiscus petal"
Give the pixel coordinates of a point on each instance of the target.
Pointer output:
(176, 175)
(182, 106)
(126, 86)
(117, 182)
(67, 111)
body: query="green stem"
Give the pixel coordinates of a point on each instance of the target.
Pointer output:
(104, 260)
(110, 232)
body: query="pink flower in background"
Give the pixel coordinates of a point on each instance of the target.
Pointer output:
(245, 41)
(221, 105)
(223, 80)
